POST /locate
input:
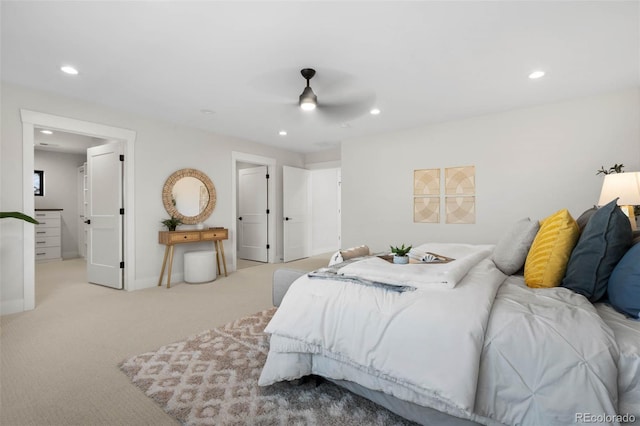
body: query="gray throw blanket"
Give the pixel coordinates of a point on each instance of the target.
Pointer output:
(332, 273)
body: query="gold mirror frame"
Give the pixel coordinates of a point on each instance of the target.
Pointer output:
(167, 196)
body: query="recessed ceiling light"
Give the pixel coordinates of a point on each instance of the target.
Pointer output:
(206, 111)
(536, 74)
(282, 133)
(46, 132)
(69, 70)
(375, 111)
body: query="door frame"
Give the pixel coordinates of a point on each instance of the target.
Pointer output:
(271, 197)
(33, 119)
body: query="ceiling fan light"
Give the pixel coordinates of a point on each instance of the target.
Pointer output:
(536, 74)
(308, 99)
(68, 69)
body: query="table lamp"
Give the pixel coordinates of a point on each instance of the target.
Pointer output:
(626, 187)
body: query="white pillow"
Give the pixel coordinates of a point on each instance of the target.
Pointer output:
(336, 258)
(512, 249)
(353, 252)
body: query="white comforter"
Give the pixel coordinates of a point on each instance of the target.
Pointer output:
(428, 346)
(420, 275)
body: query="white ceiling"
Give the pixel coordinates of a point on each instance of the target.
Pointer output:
(64, 142)
(419, 62)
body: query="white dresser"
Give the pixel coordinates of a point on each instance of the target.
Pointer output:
(48, 240)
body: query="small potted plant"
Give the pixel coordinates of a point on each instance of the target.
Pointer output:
(172, 223)
(400, 254)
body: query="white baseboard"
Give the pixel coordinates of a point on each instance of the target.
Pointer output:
(70, 255)
(12, 307)
(316, 252)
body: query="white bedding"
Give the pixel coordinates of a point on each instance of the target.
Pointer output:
(428, 346)
(419, 275)
(547, 356)
(627, 332)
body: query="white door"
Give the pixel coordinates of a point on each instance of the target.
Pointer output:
(82, 237)
(104, 237)
(252, 214)
(296, 213)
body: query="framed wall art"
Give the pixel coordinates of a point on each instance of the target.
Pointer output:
(426, 196)
(460, 191)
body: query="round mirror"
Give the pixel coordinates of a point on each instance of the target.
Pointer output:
(189, 195)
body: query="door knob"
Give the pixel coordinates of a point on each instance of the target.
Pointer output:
(286, 218)
(88, 221)
(240, 218)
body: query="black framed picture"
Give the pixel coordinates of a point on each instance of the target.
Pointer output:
(38, 183)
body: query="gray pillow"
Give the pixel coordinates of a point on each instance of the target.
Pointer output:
(512, 249)
(584, 217)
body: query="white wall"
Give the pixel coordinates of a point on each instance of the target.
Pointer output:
(530, 162)
(61, 192)
(160, 149)
(331, 155)
(325, 206)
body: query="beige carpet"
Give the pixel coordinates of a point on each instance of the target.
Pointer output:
(212, 379)
(243, 263)
(59, 362)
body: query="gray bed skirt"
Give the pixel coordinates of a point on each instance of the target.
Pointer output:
(416, 413)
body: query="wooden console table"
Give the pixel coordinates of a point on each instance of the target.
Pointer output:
(171, 238)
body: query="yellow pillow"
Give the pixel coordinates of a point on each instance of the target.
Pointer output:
(549, 254)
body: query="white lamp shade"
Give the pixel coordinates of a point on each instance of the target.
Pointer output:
(624, 186)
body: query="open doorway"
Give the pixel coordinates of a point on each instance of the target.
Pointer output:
(35, 120)
(254, 227)
(61, 157)
(78, 207)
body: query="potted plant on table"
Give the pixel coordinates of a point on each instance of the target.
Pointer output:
(400, 254)
(172, 223)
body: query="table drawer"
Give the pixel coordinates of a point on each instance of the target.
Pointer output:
(215, 234)
(177, 237)
(47, 241)
(47, 253)
(47, 232)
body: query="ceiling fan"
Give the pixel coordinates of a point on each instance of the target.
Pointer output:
(308, 99)
(342, 100)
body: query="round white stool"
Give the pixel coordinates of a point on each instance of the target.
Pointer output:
(199, 266)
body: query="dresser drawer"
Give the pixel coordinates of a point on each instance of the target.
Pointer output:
(48, 222)
(47, 232)
(47, 241)
(177, 237)
(215, 234)
(47, 253)
(46, 215)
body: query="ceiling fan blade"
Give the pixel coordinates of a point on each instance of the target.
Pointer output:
(345, 110)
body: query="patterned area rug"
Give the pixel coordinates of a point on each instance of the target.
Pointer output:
(212, 379)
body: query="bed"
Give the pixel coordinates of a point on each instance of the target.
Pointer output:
(460, 343)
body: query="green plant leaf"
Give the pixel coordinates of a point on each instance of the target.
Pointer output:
(18, 215)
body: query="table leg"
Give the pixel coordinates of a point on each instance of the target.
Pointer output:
(170, 266)
(216, 244)
(224, 262)
(164, 262)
